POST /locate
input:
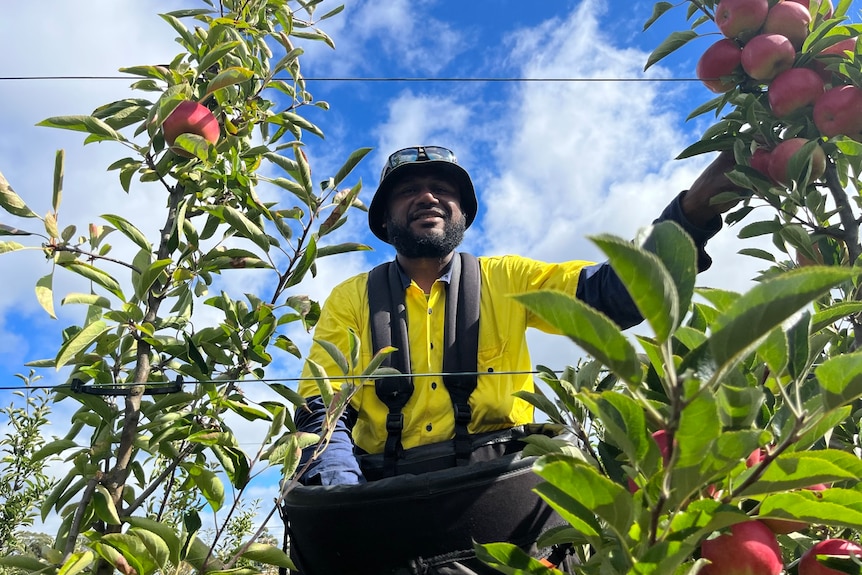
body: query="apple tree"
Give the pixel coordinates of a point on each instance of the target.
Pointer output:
(732, 431)
(155, 387)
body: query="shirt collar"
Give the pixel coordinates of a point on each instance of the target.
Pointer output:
(405, 279)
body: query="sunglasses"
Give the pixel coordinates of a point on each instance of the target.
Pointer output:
(417, 154)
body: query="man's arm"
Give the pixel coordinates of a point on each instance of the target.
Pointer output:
(336, 465)
(600, 286)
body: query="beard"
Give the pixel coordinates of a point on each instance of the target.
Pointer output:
(411, 245)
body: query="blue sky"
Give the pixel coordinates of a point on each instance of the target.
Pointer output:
(553, 162)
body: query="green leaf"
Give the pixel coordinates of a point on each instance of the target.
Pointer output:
(766, 306)
(840, 378)
(154, 544)
(336, 355)
(6, 247)
(624, 424)
(591, 330)
(165, 532)
(58, 181)
(129, 230)
(80, 342)
(245, 227)
(76, 562)
(208, 482)
(673, 42)
(347, 247)
(53, 448)
(658, 9)
(88, 124)
(352, 161)
(827, 316)
(268, 554)
(28, 564)
(676, 250)
(578, 481)
(647, 281)
(149, 276)
(215, 54)
(12, 202)
(834, 507)
(104, 505)
(45, 294)
(95, 275)
(229, 77)
(801, 469)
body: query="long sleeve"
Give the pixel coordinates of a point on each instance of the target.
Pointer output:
(600, 286)
(336, 465)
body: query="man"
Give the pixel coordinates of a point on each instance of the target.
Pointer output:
(424, 203)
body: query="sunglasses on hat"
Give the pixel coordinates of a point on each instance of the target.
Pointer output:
(417, 154)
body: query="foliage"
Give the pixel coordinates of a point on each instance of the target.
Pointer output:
(23, 481)
(151, 445)
(757, 394)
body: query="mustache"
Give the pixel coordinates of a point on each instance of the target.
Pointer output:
(428, 212)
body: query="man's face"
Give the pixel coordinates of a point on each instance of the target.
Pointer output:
(424, 217)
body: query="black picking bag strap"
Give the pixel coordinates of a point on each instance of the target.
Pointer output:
(389, 327)
(461, 339)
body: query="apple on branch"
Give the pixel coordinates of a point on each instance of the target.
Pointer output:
(779, 161)
(767, 55)
(741, 19)
(834, 53)
(808, 564)
(838, 111)
(819, 4)
(190, 118)
(760, 160)
(793, 90)
(749, 549)
(719, 64)
(791, 20)
(660, 437)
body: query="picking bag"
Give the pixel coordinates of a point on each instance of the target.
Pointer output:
(419, 524)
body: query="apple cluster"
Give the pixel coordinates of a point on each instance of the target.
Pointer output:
(761, 47)
(751, 547)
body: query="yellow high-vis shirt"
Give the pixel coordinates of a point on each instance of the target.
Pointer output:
(503, 322)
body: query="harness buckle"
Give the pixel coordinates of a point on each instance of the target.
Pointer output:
(463, 413)
(394, 422)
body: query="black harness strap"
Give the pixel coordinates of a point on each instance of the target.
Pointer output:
(461, 340)
(389, 327)
(460, 356)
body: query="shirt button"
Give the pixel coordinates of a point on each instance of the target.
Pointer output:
(428, 427)
(433, 385)
(429, 311)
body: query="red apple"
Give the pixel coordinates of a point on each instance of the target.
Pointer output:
(660, 437)
(190, 118)
(760, 162)
(807, 4)
(789, 19)
(740, 19)
(749, 549)
(808, 564)
(839, 111)
(767, 55)
(834, 53)
(794, 89)
(783, 152)
(721, 60)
